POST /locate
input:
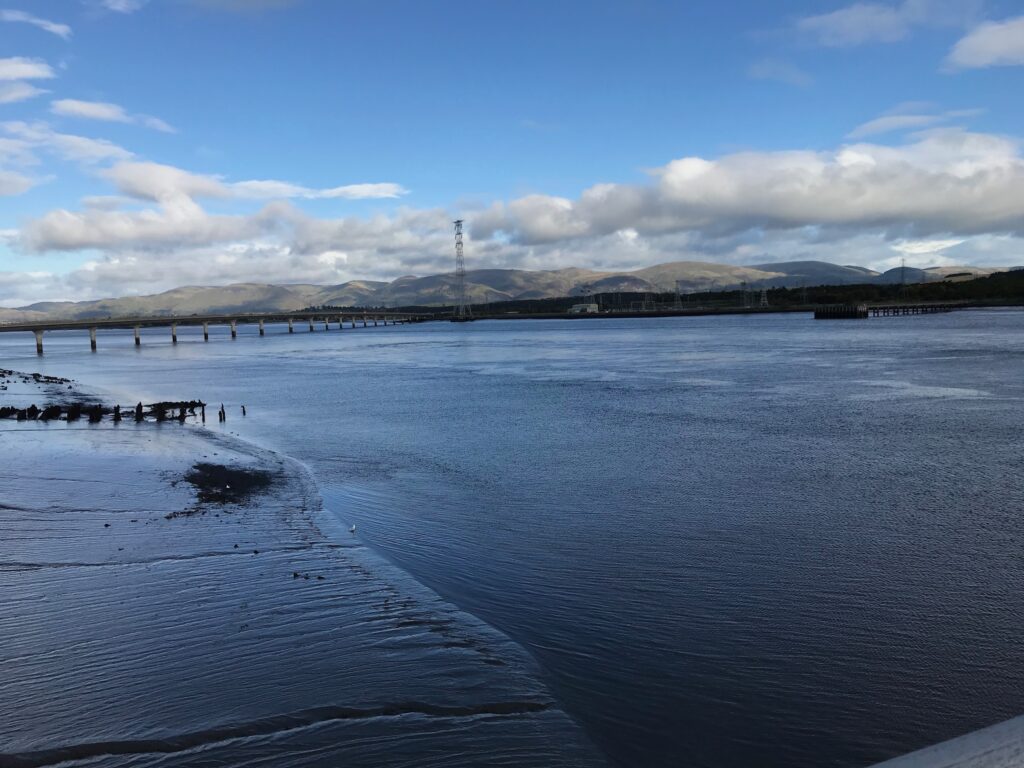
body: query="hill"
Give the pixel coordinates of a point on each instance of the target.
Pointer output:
(483, 286)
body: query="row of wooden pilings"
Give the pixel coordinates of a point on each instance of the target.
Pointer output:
(326, 320)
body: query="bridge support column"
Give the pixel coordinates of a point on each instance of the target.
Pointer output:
(375, 322)
(327, 323)
(364, 321)
(39, 342)
(234, 329)
(174, 333)
(291, 325)
(341, 323)
(262, 333)
(206, 331)
(353, 319)
(92, 339)
(138, 340)
(311, 325)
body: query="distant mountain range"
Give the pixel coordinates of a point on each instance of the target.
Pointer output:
(482, 285)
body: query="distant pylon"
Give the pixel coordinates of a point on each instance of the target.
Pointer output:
(462, 308)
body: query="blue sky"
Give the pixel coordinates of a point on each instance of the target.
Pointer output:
(150, 144)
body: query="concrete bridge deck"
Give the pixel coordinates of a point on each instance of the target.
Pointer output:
(312, 318)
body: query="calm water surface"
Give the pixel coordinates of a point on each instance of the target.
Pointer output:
(729, 542)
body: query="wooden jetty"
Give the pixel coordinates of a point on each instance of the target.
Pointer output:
(892, 310)
(863, 311)
(313, 318)
(841, 312)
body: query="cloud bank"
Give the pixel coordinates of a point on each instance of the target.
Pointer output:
(943, 193)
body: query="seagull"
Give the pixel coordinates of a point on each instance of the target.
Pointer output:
(352, 529)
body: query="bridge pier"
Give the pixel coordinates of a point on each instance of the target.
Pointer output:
(364, 321)
(174, 333)
(92, 339)
(311, 325)
(327, 323)
(138, 340)
(234, 329)
(353, 319)
(39, 342)
(291, 325)
(262, 333)
(206, 331)
(374, 322)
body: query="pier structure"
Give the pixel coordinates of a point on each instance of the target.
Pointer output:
(863, 311)
(38, 329)
(891, 310)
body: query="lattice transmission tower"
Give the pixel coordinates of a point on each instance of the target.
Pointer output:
(462, 308)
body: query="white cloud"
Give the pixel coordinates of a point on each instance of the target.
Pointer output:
(909, 116)
(122, 6)
(875, 22)
(156, 123)
(91, 110)
(282, 189)
(993, 44)
(780, 71)
(65, 145)
(156, 182)
(105, 111)
(178, 220)
(21, 68)
(61, 30)
(856, 24)
(244, 5)
(12, 183)
(943, 181)
(925, 247)
(890, 123)
(18, 91)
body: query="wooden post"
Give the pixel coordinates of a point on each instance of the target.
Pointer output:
(138, 340)
(234, 329)
(92, 339)
(261, 327)
(206, 331)
(174, 333)
(39, 342)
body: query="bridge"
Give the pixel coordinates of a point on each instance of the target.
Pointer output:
(862, 311)
(313, 318)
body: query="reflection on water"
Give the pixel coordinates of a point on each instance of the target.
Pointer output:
(728, 541)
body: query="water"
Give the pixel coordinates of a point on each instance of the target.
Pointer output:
(728, 541)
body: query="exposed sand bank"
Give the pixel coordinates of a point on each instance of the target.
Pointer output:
(154, 616)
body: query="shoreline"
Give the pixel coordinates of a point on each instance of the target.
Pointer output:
(176, 624)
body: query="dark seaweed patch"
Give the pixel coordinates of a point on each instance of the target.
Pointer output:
(222, 484)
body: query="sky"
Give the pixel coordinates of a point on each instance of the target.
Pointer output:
(148, 144)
